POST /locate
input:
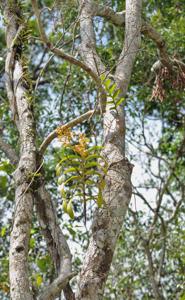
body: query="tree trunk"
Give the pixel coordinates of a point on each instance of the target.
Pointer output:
(17, 92)
(108, 221)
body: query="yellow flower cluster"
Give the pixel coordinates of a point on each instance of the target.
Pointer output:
(82, 146)
(65, 135)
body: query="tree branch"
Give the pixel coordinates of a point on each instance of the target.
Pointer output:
(131, 45)
(9, 151)
(157, 293)
(72, 60)
(108, 221)
(70, 124)
(118, 19)
(163, 190)
(137, 193)
(24, 119)
(175, 212)
(56, 242)
(150, 32)
(88, 40)
(163, 249)
(54, 289)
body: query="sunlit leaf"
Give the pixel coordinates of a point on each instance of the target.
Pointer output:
(99, 199)
(107, 84)
(39, 280)
(119, 101)
(70, 209)
(3, 231)
(64, 206)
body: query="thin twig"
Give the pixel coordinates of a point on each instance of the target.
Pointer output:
(71, 59)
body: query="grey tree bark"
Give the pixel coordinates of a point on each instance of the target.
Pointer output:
(23, 116)
(107, 221)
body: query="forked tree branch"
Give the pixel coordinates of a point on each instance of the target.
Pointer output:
(118, 19)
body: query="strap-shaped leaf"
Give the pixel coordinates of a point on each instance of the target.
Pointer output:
(72, 178)
(107, 84)
(89, 182)
(95, 148)
(91, 164)
(70, 209)
(120, 101)
(58, 169)
(64, 206)
(70, 170)
(112, 89)
(116, 94)
(99, 199)
(71, 157)
(93, 172)
(92, 156)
